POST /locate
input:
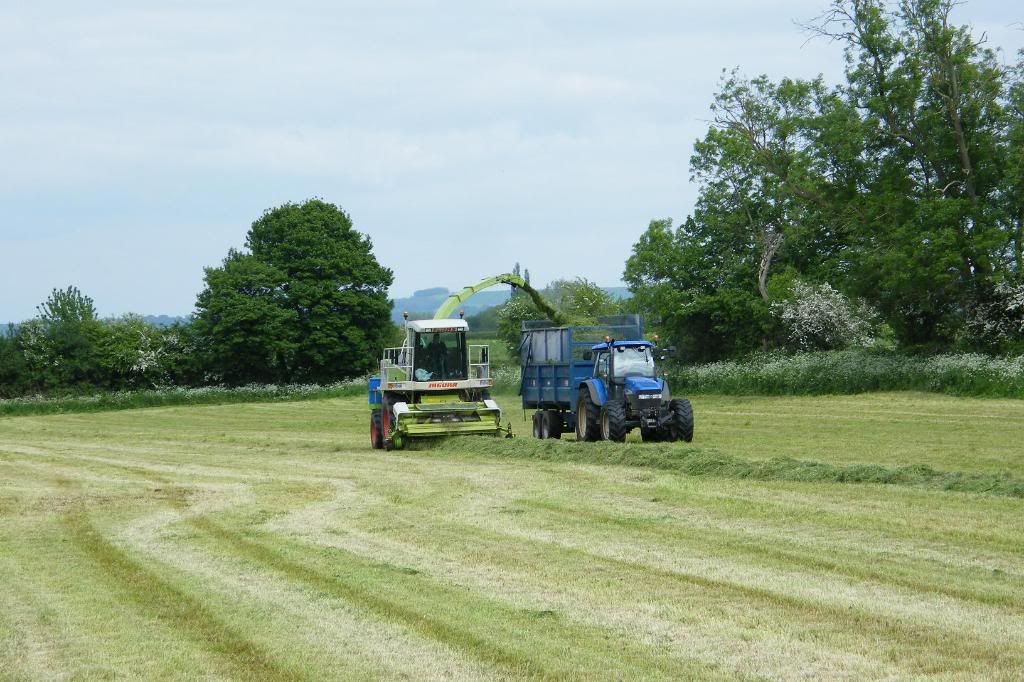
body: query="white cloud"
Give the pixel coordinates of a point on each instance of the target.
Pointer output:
(528, 130)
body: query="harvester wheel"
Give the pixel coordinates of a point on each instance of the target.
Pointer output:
(376, 430)
(613, 421)
(682, 419)
(587, 417)
(553, 423)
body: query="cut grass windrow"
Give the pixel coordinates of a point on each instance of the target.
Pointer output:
(175, 608)
(1005, 591)
(706, 462)
(487, 630)
(515, 547)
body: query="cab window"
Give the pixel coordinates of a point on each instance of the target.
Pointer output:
(440, 356)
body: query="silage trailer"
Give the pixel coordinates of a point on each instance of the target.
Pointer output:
(599, 381)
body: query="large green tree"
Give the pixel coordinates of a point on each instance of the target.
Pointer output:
(306, 301)
(901, 186)
(60, 345)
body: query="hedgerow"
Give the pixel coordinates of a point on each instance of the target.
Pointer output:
(855, 371)
(170, 396)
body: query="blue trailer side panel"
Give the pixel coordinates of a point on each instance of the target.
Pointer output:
(556, 360)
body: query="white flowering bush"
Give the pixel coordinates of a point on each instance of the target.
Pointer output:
(1000, 319)
(505, 378)
(818, 317)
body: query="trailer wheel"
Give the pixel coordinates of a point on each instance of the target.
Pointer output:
(538, 432)
(552, 423)
(682, 419)
(613, 421)
(376, 430)
(587, 417)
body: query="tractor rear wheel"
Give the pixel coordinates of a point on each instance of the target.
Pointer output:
(376, 430)
(682, 419)
(587, 417)
(613, 421)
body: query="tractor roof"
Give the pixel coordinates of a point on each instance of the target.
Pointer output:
(438, 325)
(622, 344)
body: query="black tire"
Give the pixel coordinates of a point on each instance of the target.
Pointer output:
(613, 421)
(554, 422)
(376, 430)
(545, 424)
(538, 432)
(588, 426)
(682, 419)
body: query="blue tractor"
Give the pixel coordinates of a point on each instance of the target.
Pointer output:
(601, 390)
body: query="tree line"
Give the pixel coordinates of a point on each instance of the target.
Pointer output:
(896, 195)
(884, 212)
(305, 301)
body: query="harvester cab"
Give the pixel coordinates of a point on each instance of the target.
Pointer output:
(434, 384)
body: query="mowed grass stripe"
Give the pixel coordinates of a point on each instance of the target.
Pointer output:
(330, 637)
(996, 589)
(531, 644)
(173, 607)
(576, 544)
(527, 576)
(546, 555)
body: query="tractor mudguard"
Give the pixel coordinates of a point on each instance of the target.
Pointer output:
(598, 393)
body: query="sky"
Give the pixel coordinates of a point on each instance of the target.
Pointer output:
(140, 140)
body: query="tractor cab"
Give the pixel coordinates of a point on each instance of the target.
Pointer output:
(616, 361)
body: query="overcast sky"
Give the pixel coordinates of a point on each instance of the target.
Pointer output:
(140, 140)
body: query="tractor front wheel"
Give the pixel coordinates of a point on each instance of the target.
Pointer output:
(682, 420)
(613, 421)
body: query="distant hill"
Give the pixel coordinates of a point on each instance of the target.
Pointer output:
(165, 320)
(424, 302)
(155, 320)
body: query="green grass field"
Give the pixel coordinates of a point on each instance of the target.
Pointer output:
(267, 541)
